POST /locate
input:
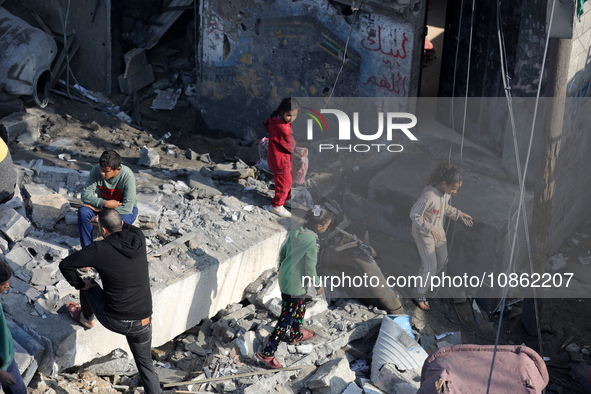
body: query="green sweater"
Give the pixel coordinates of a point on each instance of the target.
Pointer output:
(6, 346)
(298, 257)
(121, 188)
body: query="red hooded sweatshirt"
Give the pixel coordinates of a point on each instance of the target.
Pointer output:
(281, 145)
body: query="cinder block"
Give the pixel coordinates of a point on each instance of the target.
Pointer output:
(48, 209)
(10, 107)
(18, 257)
(45, 249)
(12, 224)
(20, 126)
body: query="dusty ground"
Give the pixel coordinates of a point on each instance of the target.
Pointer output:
(563, 321)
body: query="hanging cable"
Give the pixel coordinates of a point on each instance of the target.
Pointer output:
(344, 53)
(453, 86)
(467, 83)
(521, 199)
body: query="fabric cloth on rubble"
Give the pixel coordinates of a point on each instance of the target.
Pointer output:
(7, 173)
(124, 304)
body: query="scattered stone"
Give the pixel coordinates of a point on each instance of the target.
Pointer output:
(12, 224)
(148, 157)
(48, 209)
(191, 155)
(332, 377)
(573, 242)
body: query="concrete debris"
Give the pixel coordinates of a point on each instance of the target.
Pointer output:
(12, 224)
(148, 157)
(20, 126)
(332, 377)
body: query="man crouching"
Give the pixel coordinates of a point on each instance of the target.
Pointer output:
(124, 304)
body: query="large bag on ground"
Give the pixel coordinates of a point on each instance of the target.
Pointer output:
(465, 369)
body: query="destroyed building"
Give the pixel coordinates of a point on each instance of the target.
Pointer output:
(163, 71)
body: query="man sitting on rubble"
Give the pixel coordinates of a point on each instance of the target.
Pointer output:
(109, 185)
(124, 303)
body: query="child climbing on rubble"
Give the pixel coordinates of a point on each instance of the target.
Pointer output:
(298, 258)
(281, 147)
(427, 225)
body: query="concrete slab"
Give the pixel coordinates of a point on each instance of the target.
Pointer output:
(180, 301)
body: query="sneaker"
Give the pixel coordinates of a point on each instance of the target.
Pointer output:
(281, 211)
(292, 204)
(306, 334)
(270, 361)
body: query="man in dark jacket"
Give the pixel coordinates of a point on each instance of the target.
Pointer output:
(124, 304)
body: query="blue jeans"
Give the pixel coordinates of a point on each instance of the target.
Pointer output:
(139, 337)
(85, 228)
(19, 386)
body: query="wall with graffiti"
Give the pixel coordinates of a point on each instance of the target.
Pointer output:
(255, 54)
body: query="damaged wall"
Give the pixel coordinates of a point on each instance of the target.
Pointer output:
(254, 55)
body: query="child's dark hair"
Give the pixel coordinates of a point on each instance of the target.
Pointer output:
(287, 104)
(317, 216)
(445, 172)
(110, 158)
(5, 271)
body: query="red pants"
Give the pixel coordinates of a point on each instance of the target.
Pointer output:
(282, 189)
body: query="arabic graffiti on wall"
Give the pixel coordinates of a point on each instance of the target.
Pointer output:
(390, 50)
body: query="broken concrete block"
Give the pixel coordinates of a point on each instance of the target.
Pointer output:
(556, 262)
(64, 288)
(36, 189)
(270, 297)
(148, 157)
(248, 344)
(332, 377)
(18, 257)
(191, 155)
(203, 187)
(48, 302)
(305, 348)
(149, 214)
(390, 379)
(12, 224)
(47, 250)
(353, 389)
(118, 366)
(48, 209)
(20, 126)
(36, 165)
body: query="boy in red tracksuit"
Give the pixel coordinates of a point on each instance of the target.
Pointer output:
(281, 146)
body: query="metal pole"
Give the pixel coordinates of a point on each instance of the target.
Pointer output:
(560, 51)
